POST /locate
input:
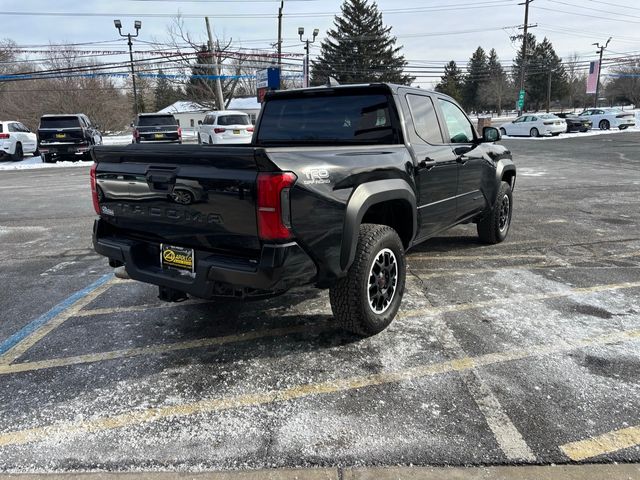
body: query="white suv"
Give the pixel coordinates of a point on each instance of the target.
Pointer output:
(225, 126)
(16, 140)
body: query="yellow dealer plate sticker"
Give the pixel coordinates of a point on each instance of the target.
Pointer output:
(178, 258)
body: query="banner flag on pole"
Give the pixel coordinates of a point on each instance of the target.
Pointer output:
(592, 79)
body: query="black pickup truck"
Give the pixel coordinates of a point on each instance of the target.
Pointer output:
(337, 184)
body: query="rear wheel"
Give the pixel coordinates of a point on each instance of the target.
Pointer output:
(210, 140)
(503, 132)
(623, 127)
(36, 153)
(534, 132)
(18, 154)
(494, 227)
(604, 125)
(368, 298)
(199, 140)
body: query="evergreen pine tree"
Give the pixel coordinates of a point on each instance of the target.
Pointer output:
(360, 48)
(451, 82)
(545, 62)
(477, 73)
(199, 89)
(495, 89)
(165, 93)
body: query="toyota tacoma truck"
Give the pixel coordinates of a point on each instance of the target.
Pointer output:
(337, 184)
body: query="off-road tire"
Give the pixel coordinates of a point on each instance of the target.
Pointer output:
(489, 227)
(349, 296)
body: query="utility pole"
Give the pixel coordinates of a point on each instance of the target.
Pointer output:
(601, 49)
(216, 68)
(137, 25)
(280, 34)
(523, 68)
(307, 42)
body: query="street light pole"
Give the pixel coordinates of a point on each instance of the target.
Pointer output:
(137, 25)
(601, 50)
(307, 42)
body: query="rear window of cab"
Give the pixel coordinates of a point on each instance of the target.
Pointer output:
(59, 122)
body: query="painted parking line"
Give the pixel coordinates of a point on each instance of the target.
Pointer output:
(136, 417)
(602, 444)
(163, 348)
(90, 312)
(18, 343)
(519, 298)
(496, 257)
(202, 343)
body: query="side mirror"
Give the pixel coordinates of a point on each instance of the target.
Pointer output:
(490, 134)
(132, 125)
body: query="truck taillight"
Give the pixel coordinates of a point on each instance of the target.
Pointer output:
(179, 132)
(273, 207)
(249, 129)
(219, 130)
(94, 189)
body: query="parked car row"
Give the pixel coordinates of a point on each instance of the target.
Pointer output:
(536, 125)
(59, 137)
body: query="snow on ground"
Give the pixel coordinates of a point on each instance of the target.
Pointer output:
(564, 136)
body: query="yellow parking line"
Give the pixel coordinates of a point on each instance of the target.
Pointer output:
(602, 444)
(138, 308)
(203, 343)
(496, 257)
(159, 349)
(137, 417)
(518, 298)
(20, 348)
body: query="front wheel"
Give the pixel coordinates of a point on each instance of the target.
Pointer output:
(503, 132)
(494, 226)
(368, 298)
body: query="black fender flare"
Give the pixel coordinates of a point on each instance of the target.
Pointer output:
(362, 198)
(505, 165)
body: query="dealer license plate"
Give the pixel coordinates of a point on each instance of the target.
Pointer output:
(60, 135)
(236, 132)
(159, 135)
(177, 258)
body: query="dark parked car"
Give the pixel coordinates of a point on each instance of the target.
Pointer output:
(336, 185)
(156, 128)
(67, 137)
(575, 123)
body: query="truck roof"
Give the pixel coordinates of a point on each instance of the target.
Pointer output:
(393, 87)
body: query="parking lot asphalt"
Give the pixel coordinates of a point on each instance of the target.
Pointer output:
(526, 352)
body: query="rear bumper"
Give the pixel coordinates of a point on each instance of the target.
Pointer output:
(64, 149)
(142, 140)
(279, 268)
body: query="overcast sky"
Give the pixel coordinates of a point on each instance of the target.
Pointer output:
(428, 32)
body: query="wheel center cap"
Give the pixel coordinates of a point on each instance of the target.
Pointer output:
(382, 281)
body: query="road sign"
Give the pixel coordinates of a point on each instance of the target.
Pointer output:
(267, 79)
(521, 100)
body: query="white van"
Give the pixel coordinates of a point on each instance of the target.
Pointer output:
(225, 126)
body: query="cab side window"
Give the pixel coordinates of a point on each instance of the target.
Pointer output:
(458, 125)
(424, 118)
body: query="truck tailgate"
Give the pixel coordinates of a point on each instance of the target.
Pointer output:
(190, 196)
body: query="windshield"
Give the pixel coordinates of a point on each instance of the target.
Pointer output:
(153, 120)
(59, 122)
(233, 120)
(348, 119)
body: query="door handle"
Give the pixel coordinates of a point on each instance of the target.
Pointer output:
(426, 164)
